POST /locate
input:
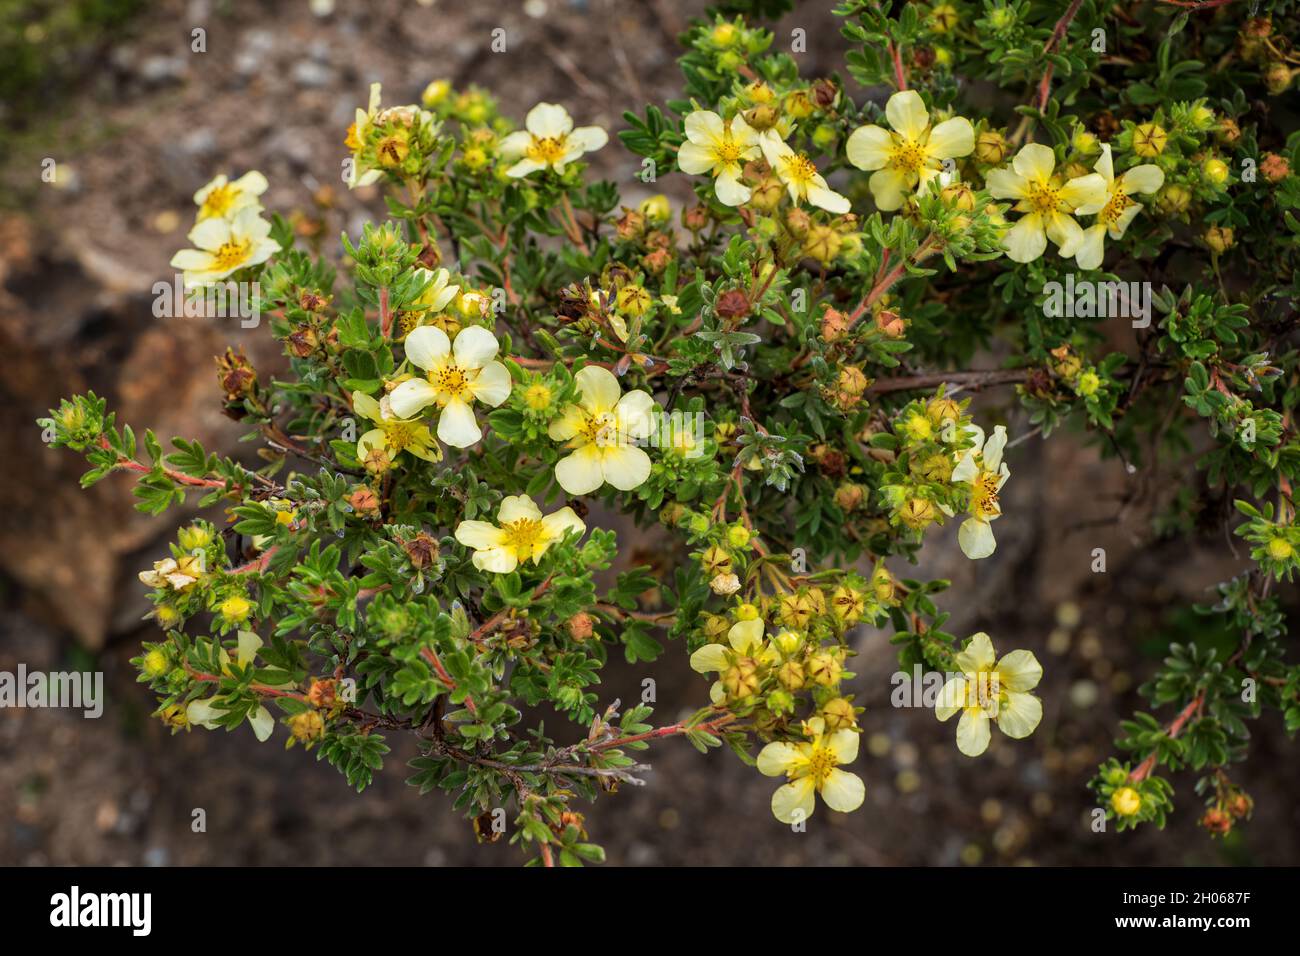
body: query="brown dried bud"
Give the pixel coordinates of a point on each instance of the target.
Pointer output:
(422, 550)
(1227, 132)
(732, 304)
(309, 300)
(695, 218)
(825, 93)
(1216, 821)
(579, 626)
(323, 693)
(657, 261)
(849, 497)
(797, 221)
(631, 225)
(1274, 167)
(834, 325)
(364, 501)
(891, 323)
(431, 256)
(829, 460)
(236, 375)
(303, 341)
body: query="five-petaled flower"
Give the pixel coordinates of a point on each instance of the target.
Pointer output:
(912, 155)
(549, 140)
(521, 533)
(455, 375)
(719, 148)
(1116, 209)
(800, 175)
(985, 691)
(1046, 201)
(221, 199)
(983, 468)
(392, 435)
(224, 246)
(812, 767)
(600, 430)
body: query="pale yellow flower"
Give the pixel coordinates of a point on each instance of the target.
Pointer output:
(222, 198)
(601, 429)
(174, 574)
(800, 175)
(720, 149)
(985, 692)
(982, 467)
(1115, 210)
(205, 713)
(911, 156)
(549, 140)
(392, 435)
(455, 375)
(523, 534)
(744, 641)
(224, 246)
(812, 768)
(1047, 203)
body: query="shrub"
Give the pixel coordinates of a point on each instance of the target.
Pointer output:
(772, 376)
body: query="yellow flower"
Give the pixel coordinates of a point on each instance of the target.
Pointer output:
(1115, 210)
(1046, 202)
(207, 713)
(910, 157)
(455, 376)
(549, 140)
(738, 658)
(800, 176)
(235, 609)
(523, 534)
(720, 149)
(437, 295)
(600, 429)
(224, 246)
(983, 468)
(172, 573)
(537, 396)
(392, 435)
(985, 691)
(221, 198)
(1126, 801)
(812, 767)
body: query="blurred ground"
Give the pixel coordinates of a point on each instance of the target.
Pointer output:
(146, 124)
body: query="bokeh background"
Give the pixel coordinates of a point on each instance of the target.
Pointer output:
(136, 122)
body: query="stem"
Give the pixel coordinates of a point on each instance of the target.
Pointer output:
(1141, 772)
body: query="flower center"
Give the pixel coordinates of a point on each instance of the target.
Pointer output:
(820, 764)
(801, 169)
(451, 380)
(984, 495)
(600, 430)
(728, 150)
(392, 150)
(547, 149)
(218, 201)
(908, 156)
(986, 689)
(1115, 207)
(232, 254)
(524, 537)
(399, 435)
(1044, 197)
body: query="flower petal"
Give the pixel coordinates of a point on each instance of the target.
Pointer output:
(514, 507)
(600, 389)
(1090, 252)
(951, 699)
(475, 346)
(634, 415)
(709, 658)
(977, 656)
(558, 523)
(843, 791)
(492, 384)
(907, 114)
(456, 425)
(412, 395)
(844, 745)
(625, 466)
(887, 188)
(869, 147)
(1019, 671)
(1035, 162)
(427, 346)
(496, 560)
(1026, 240)
(952, 138)
(793, 803)
(548, 120)
(479, 535)
(1020, 715)
(976, 539)
(262, 723)
(828, 199)
(704, 127)
(973, 732)
(580, 473)
(730, 190)
(1005, 184)
(1142, 179)
(1085, 191)
(695, 159)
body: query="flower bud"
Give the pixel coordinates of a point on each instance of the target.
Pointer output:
(838, 714)
(1215, 171)
(1219, 238)
(579, 626)
(1126, 801)
(656, 210)
(724, 584)
(990, 148)
(1274, 167)
(959, 196)
(849, 496)
(834, 325)
(1149, 140)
